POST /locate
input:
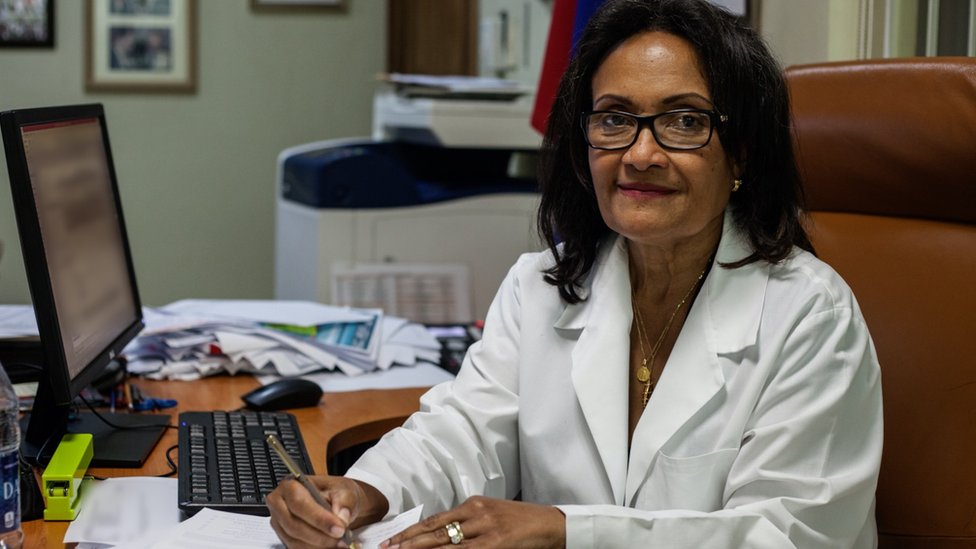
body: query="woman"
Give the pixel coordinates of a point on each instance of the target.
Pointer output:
(678, 371)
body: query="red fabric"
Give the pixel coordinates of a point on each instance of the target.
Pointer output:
(558, 47)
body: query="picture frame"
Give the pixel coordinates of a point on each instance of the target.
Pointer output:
(27, 25)
(271, 6)
(141, 46)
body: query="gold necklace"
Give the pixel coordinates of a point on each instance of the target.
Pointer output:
(644, 372)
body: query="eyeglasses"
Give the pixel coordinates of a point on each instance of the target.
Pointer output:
(682, 129)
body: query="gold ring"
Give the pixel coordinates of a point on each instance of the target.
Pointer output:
(455, 533)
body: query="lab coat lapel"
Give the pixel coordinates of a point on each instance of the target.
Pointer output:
(600, 360)
(723, 319)
(692, 377)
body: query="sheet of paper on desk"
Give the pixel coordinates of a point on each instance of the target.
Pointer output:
(371, 536)
(222, 530)
(216, 530)
(121, 510)
(420, 375)
(17, 321)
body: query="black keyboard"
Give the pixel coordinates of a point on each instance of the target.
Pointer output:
(226, 464)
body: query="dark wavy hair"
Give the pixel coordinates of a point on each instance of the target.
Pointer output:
(746, 84)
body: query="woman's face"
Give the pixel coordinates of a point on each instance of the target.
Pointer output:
(649, 194)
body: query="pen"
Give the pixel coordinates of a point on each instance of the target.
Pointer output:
(297, 473)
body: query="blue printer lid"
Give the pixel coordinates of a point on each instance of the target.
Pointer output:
(396, 174)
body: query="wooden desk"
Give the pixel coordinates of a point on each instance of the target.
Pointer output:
(338, 422)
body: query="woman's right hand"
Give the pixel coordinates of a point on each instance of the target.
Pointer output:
(302, 523)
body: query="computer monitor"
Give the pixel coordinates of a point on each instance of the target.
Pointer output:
(80, 273)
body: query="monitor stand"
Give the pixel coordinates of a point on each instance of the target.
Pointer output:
(128, 447)
(123, 448)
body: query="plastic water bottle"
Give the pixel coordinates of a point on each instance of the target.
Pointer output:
(11, 533)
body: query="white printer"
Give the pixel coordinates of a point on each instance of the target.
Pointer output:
(404, 221)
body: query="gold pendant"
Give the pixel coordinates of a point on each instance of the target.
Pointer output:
(643, 374)
(648, 389)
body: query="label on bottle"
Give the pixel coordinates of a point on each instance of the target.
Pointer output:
(10, 506)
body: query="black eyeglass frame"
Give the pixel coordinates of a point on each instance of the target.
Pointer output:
(715, 118)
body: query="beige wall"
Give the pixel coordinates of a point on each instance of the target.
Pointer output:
(810, 31)
(196, 172)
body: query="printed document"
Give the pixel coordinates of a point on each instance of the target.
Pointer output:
(222, 530)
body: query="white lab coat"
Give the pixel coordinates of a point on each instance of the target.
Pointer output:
(764, 430)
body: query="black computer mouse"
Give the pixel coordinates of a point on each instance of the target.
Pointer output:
(292, 392)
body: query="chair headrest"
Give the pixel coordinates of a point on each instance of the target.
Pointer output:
(892, 137)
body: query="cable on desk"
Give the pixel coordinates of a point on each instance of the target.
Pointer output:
(106, 421)
(170, 462)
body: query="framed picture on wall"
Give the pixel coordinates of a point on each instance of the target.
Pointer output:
(140, 45)
(27, 24)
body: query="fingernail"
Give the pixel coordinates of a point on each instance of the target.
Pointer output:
(337, 531)
(344, 515)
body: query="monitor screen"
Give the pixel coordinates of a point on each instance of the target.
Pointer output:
(81, 236)
(76, 254)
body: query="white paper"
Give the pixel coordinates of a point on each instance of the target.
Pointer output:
(17, 321)
(184, 341)
(392, 325)
(324, 358)
(159, 321)
(371, 536)
(297, 313)
(231, 343)
(391, 354)
(460, 83)
(222, 530)
(216, 530)
(141, 366)
(283, 363)
(399, 377)
(415, 335)
(120, 510)
(428, 355)
(189, 370)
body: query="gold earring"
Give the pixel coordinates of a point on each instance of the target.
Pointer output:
(736, 183)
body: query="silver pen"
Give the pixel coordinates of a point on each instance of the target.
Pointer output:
(298, 475)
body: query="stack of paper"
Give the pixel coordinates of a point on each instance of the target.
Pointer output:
(195, 338)
(456, 87)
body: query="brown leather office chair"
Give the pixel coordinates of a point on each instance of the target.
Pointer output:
(887, 151)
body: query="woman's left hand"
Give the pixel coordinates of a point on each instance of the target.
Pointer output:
(487, 522)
